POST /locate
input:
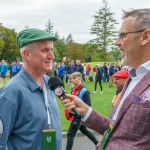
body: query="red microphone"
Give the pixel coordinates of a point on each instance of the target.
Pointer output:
(56, 85)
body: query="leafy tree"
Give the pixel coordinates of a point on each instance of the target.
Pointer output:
(104, 28)
(115, 55)
(2, 43)
(49, 27)
(8, 44)
(59, 51)
(93, 53)
(89, 50)
(75, 51)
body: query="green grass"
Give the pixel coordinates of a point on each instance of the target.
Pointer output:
(100, 102)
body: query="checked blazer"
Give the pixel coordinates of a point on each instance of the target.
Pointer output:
(131, 130)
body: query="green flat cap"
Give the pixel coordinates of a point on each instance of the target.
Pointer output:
(30, 35)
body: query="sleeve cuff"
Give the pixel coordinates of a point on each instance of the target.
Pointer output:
(87, 115)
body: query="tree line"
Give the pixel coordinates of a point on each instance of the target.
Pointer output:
(101, 48)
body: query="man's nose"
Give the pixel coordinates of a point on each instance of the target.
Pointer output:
(51, 55)
(118, 42)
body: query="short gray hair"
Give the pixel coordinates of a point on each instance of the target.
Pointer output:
(29, 46)
(142, 17)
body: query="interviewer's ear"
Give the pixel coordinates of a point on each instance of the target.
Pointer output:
(146, 37)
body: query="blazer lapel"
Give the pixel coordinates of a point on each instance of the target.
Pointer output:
(123, 91)
(137, 90)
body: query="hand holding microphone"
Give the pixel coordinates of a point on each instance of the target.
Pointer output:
(56, 85)
(74, 101)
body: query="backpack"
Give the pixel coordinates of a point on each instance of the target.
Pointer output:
(94, 69)
(90, 78)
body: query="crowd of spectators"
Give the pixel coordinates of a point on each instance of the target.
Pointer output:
(63, 70)
(98, 73)
(8, 70)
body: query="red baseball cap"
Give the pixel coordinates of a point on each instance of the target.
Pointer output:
(121, 74)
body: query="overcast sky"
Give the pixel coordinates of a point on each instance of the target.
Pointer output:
(67, 16)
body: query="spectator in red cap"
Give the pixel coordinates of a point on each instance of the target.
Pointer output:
(120, 78)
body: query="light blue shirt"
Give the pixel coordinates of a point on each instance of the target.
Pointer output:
(23, 114)
(3, 69)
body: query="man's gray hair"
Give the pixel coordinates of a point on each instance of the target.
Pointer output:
(29, 46)
(142, 17)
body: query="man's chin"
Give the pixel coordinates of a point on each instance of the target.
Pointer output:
(48, 69)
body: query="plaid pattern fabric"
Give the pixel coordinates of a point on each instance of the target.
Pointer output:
(132, 128)
(145, 97)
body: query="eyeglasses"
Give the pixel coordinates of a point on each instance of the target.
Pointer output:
(121, 35)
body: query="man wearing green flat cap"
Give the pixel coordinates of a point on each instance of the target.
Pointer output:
(28, 106)
(31, 35)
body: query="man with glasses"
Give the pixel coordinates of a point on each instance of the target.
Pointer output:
(128, 128)
(121, 35)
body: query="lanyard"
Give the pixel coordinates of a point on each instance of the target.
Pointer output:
(47, 106)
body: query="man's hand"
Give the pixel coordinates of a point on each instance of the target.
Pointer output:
(75, 102)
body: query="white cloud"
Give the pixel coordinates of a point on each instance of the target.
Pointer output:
(67, 16)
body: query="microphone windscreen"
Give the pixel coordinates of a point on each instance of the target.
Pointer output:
(53, 82)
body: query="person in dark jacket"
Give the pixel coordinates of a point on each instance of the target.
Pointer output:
(80, 68)
(111, 72)
(98, 78)
(105, 73)
(69, 70)
(81, 91)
